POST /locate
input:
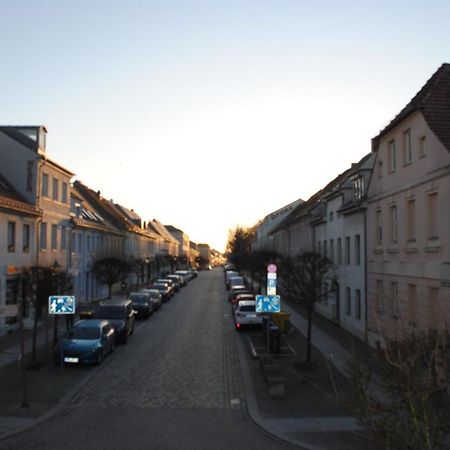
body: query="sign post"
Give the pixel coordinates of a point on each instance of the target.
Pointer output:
(270, 303)
(60, 305)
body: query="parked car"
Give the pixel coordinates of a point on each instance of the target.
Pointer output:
(235, 292)
(236, 282)
(142, 304)
(181, 278)
(245, 314)
(165, 290)
(238, 296)
(185, 274)
(170, 282)
(120, 313)
(87, 342)
(178, 279)
(155, 297)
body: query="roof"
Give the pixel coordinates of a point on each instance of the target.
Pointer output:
(306, 207)
(433, 101)
(10, 199)
(15, 134)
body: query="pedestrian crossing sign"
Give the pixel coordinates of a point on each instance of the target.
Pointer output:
(61, 304)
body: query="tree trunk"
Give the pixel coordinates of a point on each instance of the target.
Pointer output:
(35, 324)
(308, 336)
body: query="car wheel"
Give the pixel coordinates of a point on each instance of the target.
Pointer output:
(124, 339)
(113, 345)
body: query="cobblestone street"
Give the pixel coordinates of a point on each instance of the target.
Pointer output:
(177, 384)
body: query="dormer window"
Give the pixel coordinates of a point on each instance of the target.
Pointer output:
(358, 188)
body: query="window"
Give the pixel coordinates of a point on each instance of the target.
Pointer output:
(63, 237)
(26, 238)
(422, 146)
(380, 296)
(394, 298)
(319, 249)
(54, 236)
(348, 301)
(347, 250)
(332, 250)
(358, 304)
(44, 185)
(357, 250)
(88, 244)
(43, 236)
(358, 188)
(394, 225)
(11, 237)
(331, 216)
(407, 150)
(412, 305)
(392, 157)
(380, 169)
(55, 189)
(339, 251)
(411, 220)
(433, 231)
(64, 193)
(379, 228)
(325, 248)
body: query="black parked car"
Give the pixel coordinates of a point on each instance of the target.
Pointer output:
(165, 290)
(120, 314)
(142, 304)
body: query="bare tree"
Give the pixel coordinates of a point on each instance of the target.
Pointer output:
(414, 376)
(311, 280)
(110, 270)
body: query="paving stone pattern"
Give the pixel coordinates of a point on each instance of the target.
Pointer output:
(176, 384)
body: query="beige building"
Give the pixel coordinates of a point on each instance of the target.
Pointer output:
(408, 226)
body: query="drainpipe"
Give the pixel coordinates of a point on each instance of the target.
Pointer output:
(38, 199)
(366, 337)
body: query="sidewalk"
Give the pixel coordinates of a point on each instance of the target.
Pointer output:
(314, 412)
(311, 414)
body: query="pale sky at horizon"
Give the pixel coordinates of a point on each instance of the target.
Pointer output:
(209, 114)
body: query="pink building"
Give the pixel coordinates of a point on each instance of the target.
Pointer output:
(408, 226)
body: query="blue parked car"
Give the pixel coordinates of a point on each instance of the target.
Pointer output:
(88, 341)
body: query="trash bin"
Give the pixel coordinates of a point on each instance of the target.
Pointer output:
(281, 319)
(274, 339)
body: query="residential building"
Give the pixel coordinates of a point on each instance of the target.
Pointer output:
(18, 220)
(263, 239)
(408, 233)
(183, 242)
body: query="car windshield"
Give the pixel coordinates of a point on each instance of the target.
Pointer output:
(159, 285)
(247, 308)
(139, 298)
(154, 293)
(82, 333)
(109, 312)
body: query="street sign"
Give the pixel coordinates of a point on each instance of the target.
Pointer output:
(272, 268)
(268, 303)
(61, 304)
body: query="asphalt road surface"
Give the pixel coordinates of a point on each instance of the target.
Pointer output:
(176, 384)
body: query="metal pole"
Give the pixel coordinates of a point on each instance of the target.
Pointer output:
(24, 403)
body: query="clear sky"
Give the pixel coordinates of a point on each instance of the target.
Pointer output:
(209, 114)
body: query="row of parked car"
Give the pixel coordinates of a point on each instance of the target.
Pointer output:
(242, 300)
(90, 340)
